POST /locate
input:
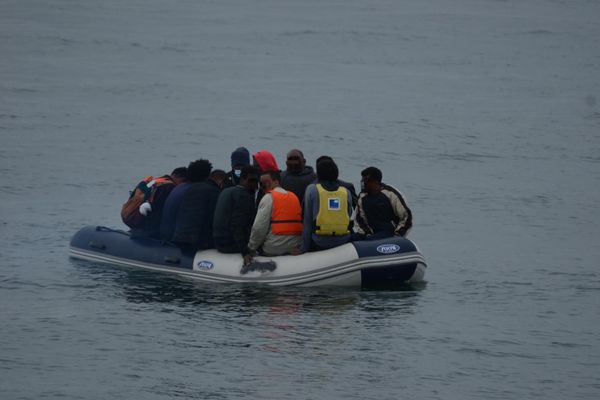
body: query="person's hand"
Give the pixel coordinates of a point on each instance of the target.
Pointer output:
(296, 251)
(145, 209)
(246, 266)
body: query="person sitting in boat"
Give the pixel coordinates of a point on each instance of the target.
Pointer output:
(173, 202)
(327, 210)
(381, 210)
(234, 214)
(193, 224)
(265, 161)
(240, 158)
(277, 228)
(150, 211)
(347, 185)
(297, 175)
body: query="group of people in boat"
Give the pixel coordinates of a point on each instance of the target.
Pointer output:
(256, 208)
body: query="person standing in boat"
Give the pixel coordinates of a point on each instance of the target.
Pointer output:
(381, 210)
(277, 228)
(234, 214)
(327, 210)
(194, 222)
(297, 175)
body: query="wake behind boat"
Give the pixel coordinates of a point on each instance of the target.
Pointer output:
(387, 262)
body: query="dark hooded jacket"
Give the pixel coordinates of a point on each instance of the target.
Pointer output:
(233, 219)
(170, 210)
(350, 187)
(194, 225)
(296, 182)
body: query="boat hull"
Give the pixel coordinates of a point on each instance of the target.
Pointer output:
(387, 262)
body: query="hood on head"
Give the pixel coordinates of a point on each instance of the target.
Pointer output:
(266, 161)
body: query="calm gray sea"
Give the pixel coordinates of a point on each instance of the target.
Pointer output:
(485, 113)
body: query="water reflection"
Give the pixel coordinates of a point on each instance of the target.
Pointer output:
(262, 333)
(140, 286)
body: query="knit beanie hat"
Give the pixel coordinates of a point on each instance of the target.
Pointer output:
(240, 156)
(327, 170)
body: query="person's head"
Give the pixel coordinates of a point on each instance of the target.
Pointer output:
(199, 170)
(327, 170)
(322, 158)
(371, 179)
(179, 175)
(239, 159)
(269, 180)
(295, 161)
(218, 176)
(249, 178)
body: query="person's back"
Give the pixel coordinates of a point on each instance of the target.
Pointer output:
(170, 210)
(346, 184)
(327, 210)
(234, 214)
(298, 182)
(193, 226)
(277, 228)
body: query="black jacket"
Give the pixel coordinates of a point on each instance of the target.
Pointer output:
(350, 187)
(231, 180)
(194, 225)
(170, 210)
(384, 211)
(297, 182)
(234, 216)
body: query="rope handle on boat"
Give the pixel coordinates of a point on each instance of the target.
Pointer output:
(107, 229)
(97, 245)
(172, 260)
(163, 243)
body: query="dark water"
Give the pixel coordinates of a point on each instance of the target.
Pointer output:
(484, 113)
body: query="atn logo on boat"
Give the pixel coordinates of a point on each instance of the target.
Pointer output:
(388, 248)
(205, 265)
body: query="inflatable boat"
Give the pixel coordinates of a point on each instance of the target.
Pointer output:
(378, 263)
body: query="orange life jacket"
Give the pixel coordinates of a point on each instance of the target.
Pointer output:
(286, 216)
